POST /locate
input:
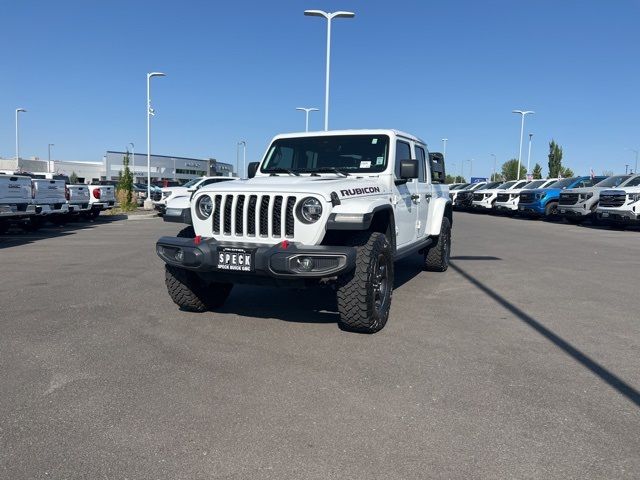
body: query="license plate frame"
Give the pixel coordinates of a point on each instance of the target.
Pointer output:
(236, 259)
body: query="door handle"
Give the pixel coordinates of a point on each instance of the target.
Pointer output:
(415, 197)
(427, 196)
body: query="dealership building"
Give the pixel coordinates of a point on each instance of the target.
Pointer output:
(162, 167)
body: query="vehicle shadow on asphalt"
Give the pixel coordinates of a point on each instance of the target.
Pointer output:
(605, 375)
(17, 236)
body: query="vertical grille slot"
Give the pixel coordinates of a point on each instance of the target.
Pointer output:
(239, 216)
(251, 215)
(264, 216)
(277, 216)
(228, 200)
(216, 214)
(289, 221)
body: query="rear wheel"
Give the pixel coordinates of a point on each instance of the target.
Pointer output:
(436, 258)
(60, 219)
(551, 210)
(364, 294)
(34, 224)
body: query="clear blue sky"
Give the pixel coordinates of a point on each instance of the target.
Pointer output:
(237, 70)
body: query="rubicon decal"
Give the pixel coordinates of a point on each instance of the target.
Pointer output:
(359, 191)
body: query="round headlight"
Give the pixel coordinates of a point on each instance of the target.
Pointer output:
(204, 207)
(309, 210)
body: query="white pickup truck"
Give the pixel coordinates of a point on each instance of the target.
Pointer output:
(78, 199)
(333, 209)
(50, 200)
(101, 198)
(507, 202)
(16, 204)
(621, 207)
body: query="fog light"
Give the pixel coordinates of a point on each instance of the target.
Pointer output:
(179, 255)
(305, 264)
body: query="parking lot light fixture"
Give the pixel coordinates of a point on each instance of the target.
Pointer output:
(529, 155)
(523, 114)
(329, 16)
(150, 112)
(635, 170)
(306, 116)
(49, 157)
(18, 110)
(444, 149)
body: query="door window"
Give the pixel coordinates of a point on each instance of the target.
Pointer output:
(420, 155)
(403, 152)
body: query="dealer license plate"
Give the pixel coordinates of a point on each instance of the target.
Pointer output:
(235, 259)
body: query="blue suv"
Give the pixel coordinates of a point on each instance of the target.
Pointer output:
(544, 201)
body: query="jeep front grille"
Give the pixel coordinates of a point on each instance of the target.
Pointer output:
(244, 215)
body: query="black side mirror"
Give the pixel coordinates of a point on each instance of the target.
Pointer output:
(252, 169)
(408, 169)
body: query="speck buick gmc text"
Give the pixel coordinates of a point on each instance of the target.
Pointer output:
(332, 208)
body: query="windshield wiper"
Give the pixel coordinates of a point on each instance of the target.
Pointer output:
(335, 170)
(274, 171)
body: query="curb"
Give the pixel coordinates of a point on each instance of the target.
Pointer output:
(142, 217)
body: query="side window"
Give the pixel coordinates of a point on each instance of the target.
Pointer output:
(403, 152)
(420, 155)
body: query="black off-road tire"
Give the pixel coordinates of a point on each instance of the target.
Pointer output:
(34, 224)
(189, 292)
(358, 292)
(436, 258)
(92, 214)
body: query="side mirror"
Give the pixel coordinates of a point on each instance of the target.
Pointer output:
(408, 169)
(191, 189)
(252, 169)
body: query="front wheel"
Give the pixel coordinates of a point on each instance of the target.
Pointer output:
(364, 294)
(551, 210)
(189, 292)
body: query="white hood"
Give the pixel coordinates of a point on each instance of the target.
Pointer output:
(344, 187)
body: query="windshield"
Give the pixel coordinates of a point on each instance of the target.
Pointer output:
(534, 184)
(504, 186)
(564, 183)
(459, 187)
(344, 153)
(191, 183)
(613, 181)
(634, 182)
(476, 186)
(490, 185)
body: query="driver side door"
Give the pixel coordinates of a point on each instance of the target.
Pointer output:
(405, 198)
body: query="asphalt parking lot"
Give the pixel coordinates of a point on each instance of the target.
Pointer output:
(521, 361)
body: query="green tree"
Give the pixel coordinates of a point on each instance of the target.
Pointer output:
(125, 184)
(510, 170)
(566, 172)
(73, 179)
(496, 177)
(456, 179)
(537, 171)
(555, 159)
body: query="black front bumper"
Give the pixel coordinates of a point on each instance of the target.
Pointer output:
(280, 261)
(177, 215)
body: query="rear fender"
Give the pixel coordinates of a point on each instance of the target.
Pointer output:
(439, 208)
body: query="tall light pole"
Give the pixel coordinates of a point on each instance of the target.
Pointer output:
(529, 155)
(150, 112)
(329, 16)
(133, 161)
(49, 157)
(18, 110)
(523, 113)
(244, 156)
(306, 116)
(444, 148)
(493, 177)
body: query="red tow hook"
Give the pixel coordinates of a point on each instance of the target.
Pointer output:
(197, 239)
(284, 244)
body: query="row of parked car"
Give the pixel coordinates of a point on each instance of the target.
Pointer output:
(31, 200)
(613, 200)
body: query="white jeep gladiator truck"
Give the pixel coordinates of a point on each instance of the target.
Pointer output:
(15, 200)
(621, 207)
(333, 208)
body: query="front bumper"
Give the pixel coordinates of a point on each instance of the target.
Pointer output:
(278, 261)
(177, 215)
(618, 216)
(573, 211)
(482, 205)
(511, 206)
(531, 208)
